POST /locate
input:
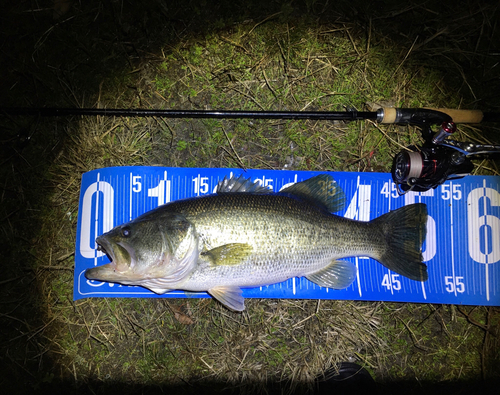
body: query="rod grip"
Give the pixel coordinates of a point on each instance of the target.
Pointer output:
(395, 115)
(462, 116)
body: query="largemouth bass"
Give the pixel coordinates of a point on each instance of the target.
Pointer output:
(245, 235)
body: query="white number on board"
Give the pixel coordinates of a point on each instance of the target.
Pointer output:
(200, 185)
(161, 191)
(99, 195)
(454, 284)
(391, 281)
(451, 191)
(483, 227)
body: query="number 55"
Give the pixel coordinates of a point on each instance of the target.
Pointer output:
(456, 285)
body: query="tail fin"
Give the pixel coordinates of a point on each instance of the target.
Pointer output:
(404, 230)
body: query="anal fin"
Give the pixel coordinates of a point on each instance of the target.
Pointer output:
(337, 275)
(231, 297)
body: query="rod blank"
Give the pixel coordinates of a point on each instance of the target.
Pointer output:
(219, 114)
(418, 116)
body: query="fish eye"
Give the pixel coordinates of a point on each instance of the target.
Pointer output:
(126, 232)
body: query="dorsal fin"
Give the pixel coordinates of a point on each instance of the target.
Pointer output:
(240, 184)
(321, 191)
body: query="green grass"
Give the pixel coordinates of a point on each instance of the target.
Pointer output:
(260, 56)
(274, 66)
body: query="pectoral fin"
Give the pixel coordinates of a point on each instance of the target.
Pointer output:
(337, 275)
(231, 297)
(228, 254)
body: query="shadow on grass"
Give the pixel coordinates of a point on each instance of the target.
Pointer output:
(216, 387)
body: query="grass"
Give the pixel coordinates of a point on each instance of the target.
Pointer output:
(261, 56)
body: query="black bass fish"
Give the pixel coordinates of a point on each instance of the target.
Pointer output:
(245, 235)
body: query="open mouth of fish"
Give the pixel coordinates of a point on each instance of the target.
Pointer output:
(119, 261)
(104, 246)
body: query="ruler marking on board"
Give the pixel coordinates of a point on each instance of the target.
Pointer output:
(422, 283)
(364, 191)
(130, 197)
(357, 258)
(96, 216)
(453, 274)
(486, 266)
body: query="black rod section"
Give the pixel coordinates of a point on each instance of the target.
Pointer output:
(491, 117)
(318, 115)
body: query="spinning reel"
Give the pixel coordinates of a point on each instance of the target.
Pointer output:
(439, 159)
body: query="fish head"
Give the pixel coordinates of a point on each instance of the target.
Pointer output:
(146, 248)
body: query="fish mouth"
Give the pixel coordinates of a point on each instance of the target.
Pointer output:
(107, 247)
(102, 273)
(119, 266)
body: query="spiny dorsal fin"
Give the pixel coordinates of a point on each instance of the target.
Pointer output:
(321, 190)
(240, 184)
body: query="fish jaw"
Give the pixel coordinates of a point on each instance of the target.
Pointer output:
(101, 273)
(118, 269)
(120, 256)
(109, 273)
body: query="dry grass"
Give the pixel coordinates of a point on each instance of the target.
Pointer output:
(272, 57)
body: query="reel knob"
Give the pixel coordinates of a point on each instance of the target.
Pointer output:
(447, 129)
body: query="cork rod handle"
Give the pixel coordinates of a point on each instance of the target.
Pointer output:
(458, 116)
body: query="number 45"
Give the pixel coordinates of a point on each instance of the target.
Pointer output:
(391, 282)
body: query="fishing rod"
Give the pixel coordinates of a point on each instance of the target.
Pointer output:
(414, 169)
(382, 115)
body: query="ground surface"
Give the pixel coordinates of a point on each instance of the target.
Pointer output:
(313, 55)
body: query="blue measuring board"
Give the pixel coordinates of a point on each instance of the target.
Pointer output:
(462, 249)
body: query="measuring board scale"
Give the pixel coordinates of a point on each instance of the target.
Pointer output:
(462, 248)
